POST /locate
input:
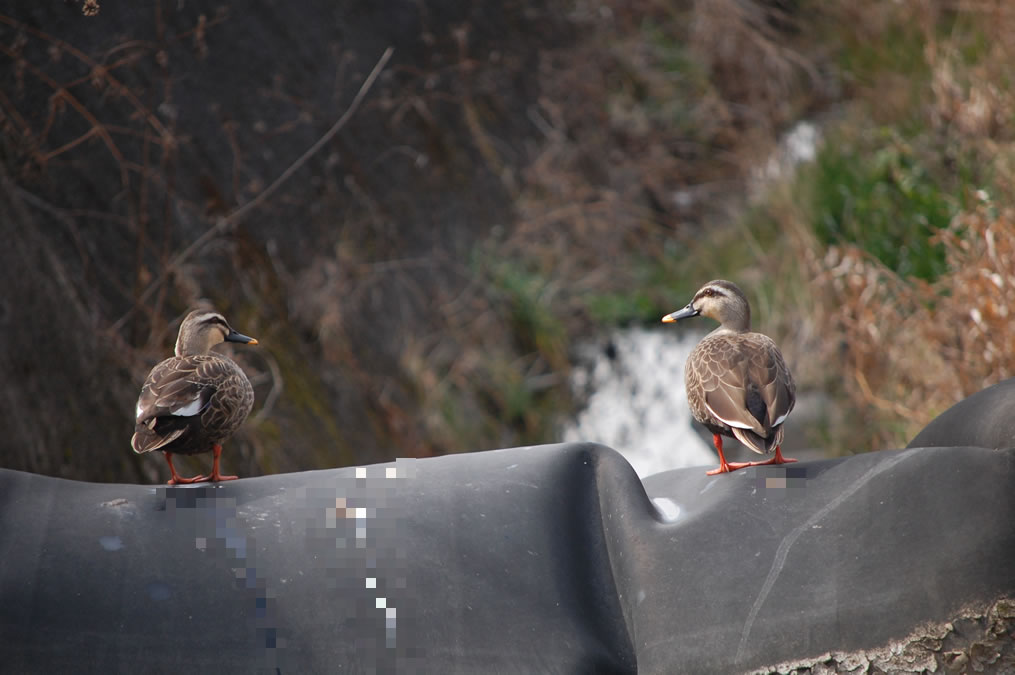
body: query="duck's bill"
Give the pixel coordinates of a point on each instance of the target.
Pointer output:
(240, 337)
(680, 314)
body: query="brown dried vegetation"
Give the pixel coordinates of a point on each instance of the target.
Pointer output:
(909, 348)
(914, 348)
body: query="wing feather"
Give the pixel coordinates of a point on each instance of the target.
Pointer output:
(174, 387)
(747, 387)
(174, 394)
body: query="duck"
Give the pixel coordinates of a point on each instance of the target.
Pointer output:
(737, 381)
(194, 401)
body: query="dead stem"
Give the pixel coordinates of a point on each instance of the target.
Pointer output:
(240, 213)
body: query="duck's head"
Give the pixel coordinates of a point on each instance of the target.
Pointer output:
(202, 329)
(720, 300)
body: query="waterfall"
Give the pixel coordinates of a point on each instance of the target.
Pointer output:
(633, 381)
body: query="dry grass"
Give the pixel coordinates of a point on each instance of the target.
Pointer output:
(913, 348)
(748, 49)
(907, 348)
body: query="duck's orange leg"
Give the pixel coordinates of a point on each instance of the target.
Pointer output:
(177, 479)
(215, 475)
(777, 459)
(724, 466)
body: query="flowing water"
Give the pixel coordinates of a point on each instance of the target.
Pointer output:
(634, 383)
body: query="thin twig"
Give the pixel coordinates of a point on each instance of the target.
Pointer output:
(115, 84)
(277, 384)
(879, 402)
(240, 213)
(74, 103)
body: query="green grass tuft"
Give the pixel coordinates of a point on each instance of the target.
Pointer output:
(882, 198)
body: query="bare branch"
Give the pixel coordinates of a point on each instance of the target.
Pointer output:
(237, 216)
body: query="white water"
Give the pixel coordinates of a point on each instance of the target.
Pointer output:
(636, 399)
(798, 146)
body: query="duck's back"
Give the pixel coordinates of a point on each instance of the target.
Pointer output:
(190, 403)
(738, 377)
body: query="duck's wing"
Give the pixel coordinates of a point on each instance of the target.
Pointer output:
(778, 391)
(747, 386)
(722, 373)
(176, 392)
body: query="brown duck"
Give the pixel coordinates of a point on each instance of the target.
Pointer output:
(737, 382)
(194, 401)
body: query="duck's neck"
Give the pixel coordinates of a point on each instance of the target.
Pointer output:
(726, 330)
(735, 320)
(190, 346)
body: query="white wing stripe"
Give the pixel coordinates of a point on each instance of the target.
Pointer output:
(732, 423)
(189, 410)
